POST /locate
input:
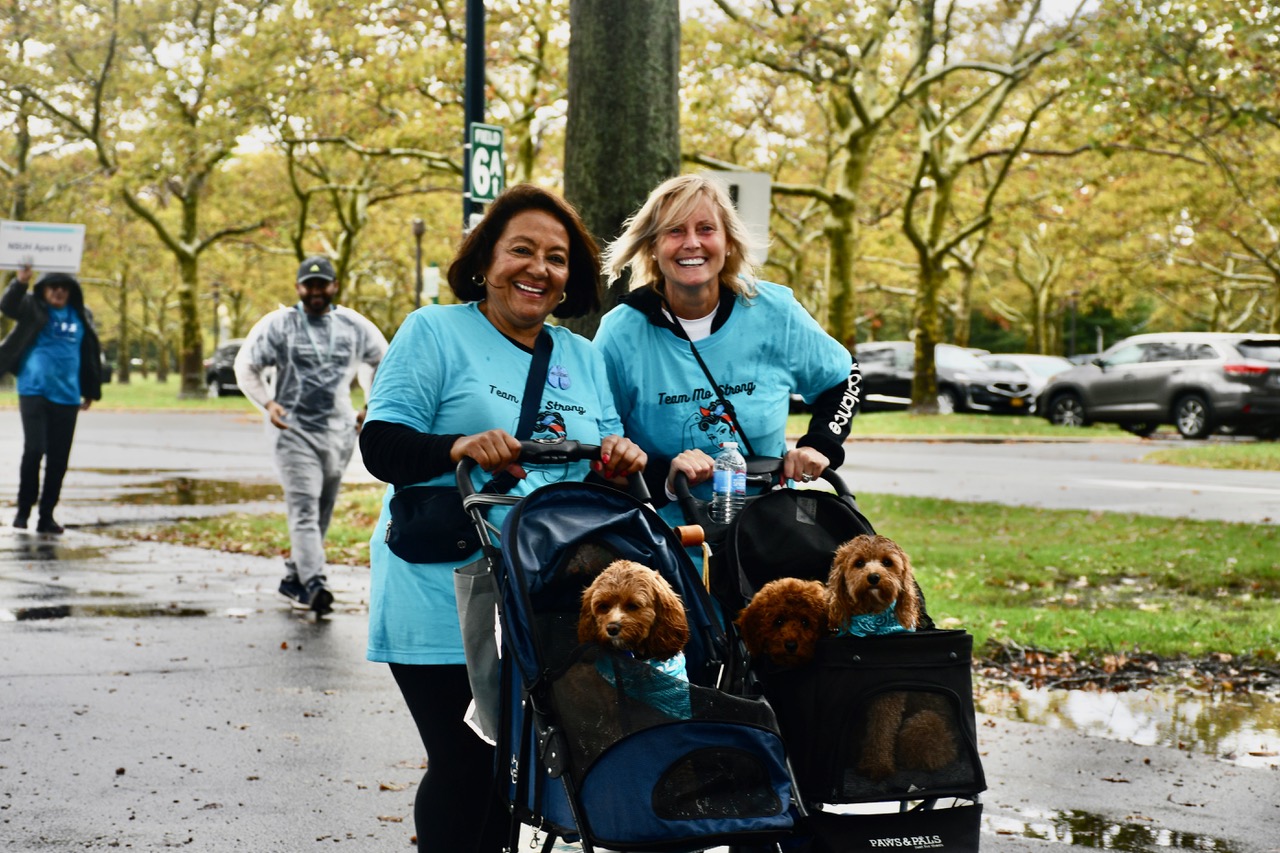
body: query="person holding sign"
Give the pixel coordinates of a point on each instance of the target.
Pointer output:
(54, 352)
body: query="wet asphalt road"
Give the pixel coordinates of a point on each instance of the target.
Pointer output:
(159, 697)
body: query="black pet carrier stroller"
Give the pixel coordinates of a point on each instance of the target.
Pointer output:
(851, 717)
(592, 745)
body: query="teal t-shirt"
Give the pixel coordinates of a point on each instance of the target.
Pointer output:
(448, 370)
(51, 368)
(769, 348)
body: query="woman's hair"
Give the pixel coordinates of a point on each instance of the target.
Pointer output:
(582, 289)
(670, 203)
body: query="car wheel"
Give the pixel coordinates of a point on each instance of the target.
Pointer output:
(947, 402)
(1142, 430)
(1067, 410)
(1193, 417)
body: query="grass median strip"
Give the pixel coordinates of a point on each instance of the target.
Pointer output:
(1064, 581)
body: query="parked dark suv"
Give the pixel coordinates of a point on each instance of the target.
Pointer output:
(964, 383)
(1197, 381)
(220, 371)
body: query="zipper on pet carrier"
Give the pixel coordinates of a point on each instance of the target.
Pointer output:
(387, 536)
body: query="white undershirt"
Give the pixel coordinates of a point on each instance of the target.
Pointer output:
(695, 329)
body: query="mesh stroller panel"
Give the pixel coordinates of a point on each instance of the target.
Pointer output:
(658, 760)
(881, 718)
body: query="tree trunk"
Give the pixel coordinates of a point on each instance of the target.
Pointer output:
(622, 136)
(191, 350)
(122, 336)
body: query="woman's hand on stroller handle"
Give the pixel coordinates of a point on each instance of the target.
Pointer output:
(631, 460)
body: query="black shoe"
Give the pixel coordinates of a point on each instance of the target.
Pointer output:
(293, 589)
(20, 520)
(320, 597)
(48, 525)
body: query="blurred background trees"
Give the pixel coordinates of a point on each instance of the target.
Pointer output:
(1013, 174)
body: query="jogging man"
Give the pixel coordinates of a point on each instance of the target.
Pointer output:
(316, 349)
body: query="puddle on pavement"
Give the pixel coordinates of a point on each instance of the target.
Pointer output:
(187, 491)
(118, 610)
(1085, 829)
(1240, 728)
(41, 549)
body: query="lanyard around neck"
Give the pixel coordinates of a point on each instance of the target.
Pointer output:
(306, 325)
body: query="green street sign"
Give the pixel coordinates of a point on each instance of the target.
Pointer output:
(488, 164)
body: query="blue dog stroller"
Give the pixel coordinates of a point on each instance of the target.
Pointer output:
(592, 745)
(851, 716)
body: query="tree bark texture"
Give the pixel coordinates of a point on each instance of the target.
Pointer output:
(622, 136)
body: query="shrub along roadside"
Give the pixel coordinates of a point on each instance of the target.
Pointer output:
(1090, 584)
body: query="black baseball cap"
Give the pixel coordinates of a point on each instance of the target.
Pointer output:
(317, 267)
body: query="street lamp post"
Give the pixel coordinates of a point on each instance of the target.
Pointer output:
(419, 228)
(217, 296)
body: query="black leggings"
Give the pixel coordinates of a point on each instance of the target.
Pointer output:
(47, 430)
(456, 809)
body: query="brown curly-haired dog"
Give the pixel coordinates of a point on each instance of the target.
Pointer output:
(633, 608)
(904, 730)
(784, 621)
(868, 575)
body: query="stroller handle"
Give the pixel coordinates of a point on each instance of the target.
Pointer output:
(762, 471)
(537, 453)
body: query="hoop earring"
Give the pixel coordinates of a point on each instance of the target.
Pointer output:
(563, 297)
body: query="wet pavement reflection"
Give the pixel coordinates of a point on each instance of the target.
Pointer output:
(1243, 729)
(1083, 829)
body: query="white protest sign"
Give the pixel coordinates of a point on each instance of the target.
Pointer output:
(47, 246)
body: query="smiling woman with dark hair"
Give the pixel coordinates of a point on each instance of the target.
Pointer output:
(54, 352)
(453, 385)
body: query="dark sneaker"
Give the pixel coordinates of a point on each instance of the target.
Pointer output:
(20, 520)
(320, 597)
(48, 525)
(293, 589)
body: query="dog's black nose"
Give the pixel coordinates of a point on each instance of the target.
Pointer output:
(613, 629)
(791, 645)
(873, 578)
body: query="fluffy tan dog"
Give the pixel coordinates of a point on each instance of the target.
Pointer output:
(784, 621)
(871, 578)
(870, 574)
(633, 608)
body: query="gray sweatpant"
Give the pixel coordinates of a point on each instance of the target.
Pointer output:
(311, 466)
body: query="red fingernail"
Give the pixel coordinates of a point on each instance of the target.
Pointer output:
(604, 457)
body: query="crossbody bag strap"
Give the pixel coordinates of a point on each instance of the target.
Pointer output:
(504, 481)
(533, 384)
(715, 386)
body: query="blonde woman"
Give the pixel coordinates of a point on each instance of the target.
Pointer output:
(694, 295)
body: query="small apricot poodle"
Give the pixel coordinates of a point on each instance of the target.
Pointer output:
(632, 608)
(871, 575)
(784, 621)
(872, 590)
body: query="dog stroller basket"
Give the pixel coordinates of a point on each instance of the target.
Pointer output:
(599, 747)
(871, 720)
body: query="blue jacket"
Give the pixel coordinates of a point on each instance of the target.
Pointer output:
(29, 310)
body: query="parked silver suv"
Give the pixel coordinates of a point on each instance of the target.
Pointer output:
(1197, 381)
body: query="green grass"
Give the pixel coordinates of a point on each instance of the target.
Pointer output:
(148, 394)
(1084, 583)
(1259, 456)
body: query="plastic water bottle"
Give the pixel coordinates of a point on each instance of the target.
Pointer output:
(728, 484)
